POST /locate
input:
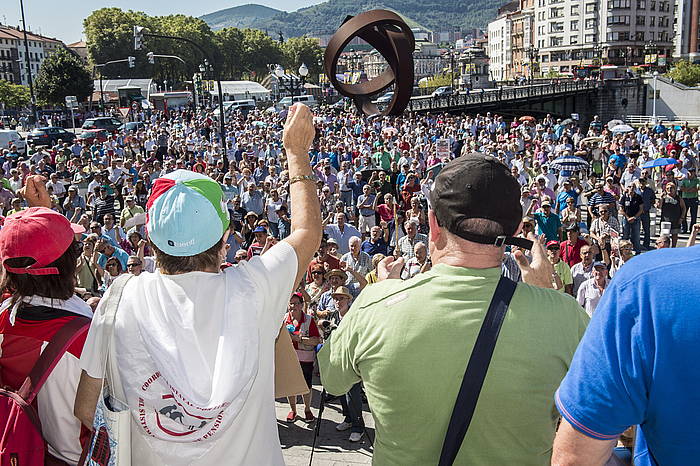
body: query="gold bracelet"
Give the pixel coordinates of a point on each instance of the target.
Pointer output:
(311, 178)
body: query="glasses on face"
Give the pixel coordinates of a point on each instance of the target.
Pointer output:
(318, 272)
(526, 226)
(135, 264)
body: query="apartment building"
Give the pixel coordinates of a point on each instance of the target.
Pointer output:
(686, 29)
(40, 48)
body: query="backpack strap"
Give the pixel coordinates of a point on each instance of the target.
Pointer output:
(477, 367)
(51, 355)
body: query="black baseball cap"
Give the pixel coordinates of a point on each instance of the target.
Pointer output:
(478, 186)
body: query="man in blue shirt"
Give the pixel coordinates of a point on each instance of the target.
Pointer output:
(564, 194)
(548, 223)
(635, 366)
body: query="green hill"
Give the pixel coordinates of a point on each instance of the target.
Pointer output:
(324, 18)
(243, 16)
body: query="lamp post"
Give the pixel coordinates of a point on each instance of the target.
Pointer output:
(532, 52)
(303, 72)
(655, 74)
(29, 68)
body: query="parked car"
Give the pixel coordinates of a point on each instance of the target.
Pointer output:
(233, 106)
(89, 136)
(443, 91)
(49, 135)
(109, 123)
(9, 138)
(386, 98)
(132, 126)
(288, 101)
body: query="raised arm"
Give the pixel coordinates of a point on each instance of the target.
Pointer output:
(305, 238)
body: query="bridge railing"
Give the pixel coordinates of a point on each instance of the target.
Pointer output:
(485, 96)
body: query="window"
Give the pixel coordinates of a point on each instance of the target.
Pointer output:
(573, 40)
(641, 4)
(556, 27)
(556, 41)
(556, 12)
(590, 23)
(619, 20)
(591, 7)
(639, 35)
(574, 10)
(573, 25)
(652, 22)
(641, 20)
(652, 5)
(622, 35)
(613, 4)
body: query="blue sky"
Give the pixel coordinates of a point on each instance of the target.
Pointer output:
(63, 19)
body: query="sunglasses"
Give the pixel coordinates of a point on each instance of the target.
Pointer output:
(134, 264)
(603, 211)
(317, 273)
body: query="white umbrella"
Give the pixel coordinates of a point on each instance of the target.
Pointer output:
(622, 129)
(138, 219)
(613, 123)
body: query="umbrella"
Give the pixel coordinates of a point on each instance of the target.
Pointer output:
(592, 139)
(568, 121)
(622, 129)
(138, 219)
(614, 123)
(568, 163)
(527, 118)
(260, 123)
(661, 162)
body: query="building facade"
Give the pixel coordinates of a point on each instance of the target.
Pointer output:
(40, 48)
(9, 67)
(686, 40)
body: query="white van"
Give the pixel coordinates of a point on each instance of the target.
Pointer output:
(234, 105)
(10, 137)
(286, 102)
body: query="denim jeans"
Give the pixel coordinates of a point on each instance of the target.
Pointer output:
(630, 230)
(352, 408)
(646, 223)
(691, 204)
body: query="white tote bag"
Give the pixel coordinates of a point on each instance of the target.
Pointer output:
(110, 444)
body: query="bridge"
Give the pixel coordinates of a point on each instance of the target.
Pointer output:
(559, 98)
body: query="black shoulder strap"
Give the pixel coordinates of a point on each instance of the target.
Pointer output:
(476, 371)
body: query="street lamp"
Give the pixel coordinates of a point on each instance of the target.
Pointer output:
(303, 72)
(655, 74)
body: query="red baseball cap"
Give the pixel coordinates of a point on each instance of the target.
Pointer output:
(552, 243)
(39, 233)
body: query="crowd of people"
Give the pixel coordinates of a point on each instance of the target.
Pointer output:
(374, 181)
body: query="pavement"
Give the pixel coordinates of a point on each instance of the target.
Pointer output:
(332, 447)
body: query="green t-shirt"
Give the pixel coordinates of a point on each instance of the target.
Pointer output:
(409, 342)
(383, 159)
(687, 183)
(564, 271)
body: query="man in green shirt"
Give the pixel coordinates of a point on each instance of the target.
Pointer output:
(383, 158)
(409, 341)
(565, 284)
(689, 193)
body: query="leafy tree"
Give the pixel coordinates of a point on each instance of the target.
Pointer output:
(230, 47)
(13, 95)
(685, 72)
(259, 50)
(62, 74)
(439, 80)
(298, 50)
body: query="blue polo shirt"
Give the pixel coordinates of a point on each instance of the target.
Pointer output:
(637, 363)
(548, 225)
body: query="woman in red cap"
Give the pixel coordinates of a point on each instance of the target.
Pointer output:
(39, 253)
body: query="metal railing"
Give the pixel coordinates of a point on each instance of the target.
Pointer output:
(485, 96)
(639, 120)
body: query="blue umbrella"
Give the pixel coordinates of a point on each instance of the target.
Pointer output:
(662, 162)
(568, 163)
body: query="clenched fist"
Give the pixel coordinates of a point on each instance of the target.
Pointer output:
(299, 130)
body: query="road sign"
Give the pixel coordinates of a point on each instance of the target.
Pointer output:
(71, 101)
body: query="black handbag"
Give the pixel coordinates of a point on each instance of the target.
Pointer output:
(476, 370)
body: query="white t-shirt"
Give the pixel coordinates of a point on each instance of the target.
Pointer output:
(196, 360)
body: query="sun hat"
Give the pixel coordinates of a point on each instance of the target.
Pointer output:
(336, 272)
(38, 233)
(186, 213)
(341, 291)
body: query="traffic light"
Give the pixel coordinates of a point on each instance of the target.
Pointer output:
(132, 61)
(138, 37)
(151, 58)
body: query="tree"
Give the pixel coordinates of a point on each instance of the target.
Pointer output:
(62, 74)
(13, 95)
(259, 50)
(229, 42)
(684, 72)
(300, 50)
(439, 80)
